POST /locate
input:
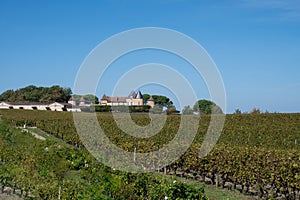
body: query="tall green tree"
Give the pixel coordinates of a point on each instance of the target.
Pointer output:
(146, 97)
(207, 107)
(255, 111)
(5, 96)
(187, 110)
(237, 111)
(89, 98)
(172, 110)
(158, 99)
(162, 100)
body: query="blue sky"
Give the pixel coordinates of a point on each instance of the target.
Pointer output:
(255, 44)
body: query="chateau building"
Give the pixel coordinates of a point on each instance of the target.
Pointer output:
(133, 99)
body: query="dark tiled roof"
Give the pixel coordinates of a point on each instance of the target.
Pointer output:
(34, 103)
(139, 95)
(104, 97)
(27, 103)
(132, 94)
(116, 99)
(72, 98)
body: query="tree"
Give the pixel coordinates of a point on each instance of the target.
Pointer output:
(207, 107)
(187, 110)
(237, 111)
(88, 97)
(5, 96)
(172, 110)
(146, 97)
(157, 109)
(158, 99)
(255, 111)
(56, 93)
(162, 100)
(67, 92)
(91, 98)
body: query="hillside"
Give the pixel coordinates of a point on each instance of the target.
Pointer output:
(256, 153)
(47, 168)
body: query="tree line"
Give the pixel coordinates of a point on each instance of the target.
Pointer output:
(33, 93)
(54, 93)
(203, 106)
(57, 93)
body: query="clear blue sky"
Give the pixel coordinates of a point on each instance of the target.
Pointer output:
(255, 44)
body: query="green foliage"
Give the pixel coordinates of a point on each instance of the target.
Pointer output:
(157, 109)
(89, 98)
(237, 111)
(182, 191)
(131, 109)
(172, 110)
(158, 99)
(37, 94)
(255, 111)
(6, 95)
(162, 100)
(264, 130)
(101, 108)
(146, 97)
(255, 151)
(207, 107)
(143, 108)
(187, 110)
(25, 164)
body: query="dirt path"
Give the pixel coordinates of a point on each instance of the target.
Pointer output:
(37, 136)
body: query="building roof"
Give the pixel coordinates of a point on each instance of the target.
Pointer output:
(37, 104)
(85, 101)
(139, 95)
(132, 94)
(116, 99)
(82, 99)
(27, 103)
(104, 97)
(151, 99)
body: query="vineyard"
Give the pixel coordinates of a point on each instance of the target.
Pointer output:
(36, 169)
(257, 154)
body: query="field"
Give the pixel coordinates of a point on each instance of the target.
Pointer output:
(258, 154)
(51, 169)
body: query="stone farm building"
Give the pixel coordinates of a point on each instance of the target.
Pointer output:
(38, 106)
(55, 106)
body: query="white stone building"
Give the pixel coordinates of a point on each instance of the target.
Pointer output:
(39, 106)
